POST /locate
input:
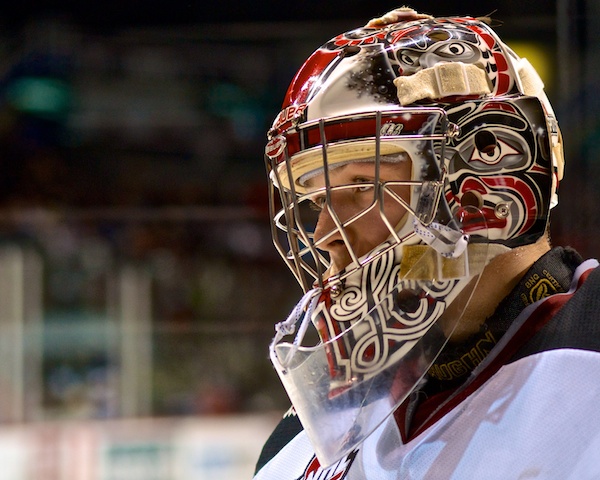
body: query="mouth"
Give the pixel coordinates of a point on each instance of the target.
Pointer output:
(339, 257)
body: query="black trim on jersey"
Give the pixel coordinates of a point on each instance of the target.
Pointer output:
(284, 432)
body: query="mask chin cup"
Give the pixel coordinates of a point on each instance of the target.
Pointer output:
(372, 350)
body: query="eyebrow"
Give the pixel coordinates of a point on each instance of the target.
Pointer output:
(309, 181)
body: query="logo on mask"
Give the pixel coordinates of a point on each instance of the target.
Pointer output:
(391, 129)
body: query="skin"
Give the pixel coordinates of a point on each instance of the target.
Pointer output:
(497, 280)
(369, 230)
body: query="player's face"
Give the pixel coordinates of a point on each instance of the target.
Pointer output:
(352, 200)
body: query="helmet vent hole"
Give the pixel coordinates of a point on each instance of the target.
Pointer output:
(438, 35)
(350, 51)
(485, 141)
(471, 199)
(409, 301)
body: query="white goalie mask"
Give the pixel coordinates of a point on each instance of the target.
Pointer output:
(408, 153)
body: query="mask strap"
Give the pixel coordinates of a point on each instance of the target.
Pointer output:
(448, 242)
(302, 313)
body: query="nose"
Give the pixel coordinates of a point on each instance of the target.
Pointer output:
(328, 234)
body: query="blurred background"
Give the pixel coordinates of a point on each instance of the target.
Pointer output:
(138, 282)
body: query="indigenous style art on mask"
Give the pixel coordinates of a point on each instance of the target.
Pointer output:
(427, 147)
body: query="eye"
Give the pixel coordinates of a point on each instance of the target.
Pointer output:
(363, 184)
(407, 57)
(494, 154)
(364, 188)
(453, 49)
(317, 202)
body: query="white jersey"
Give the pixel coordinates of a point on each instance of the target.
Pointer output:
(486, 436)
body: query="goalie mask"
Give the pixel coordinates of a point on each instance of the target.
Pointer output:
(408, 153)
